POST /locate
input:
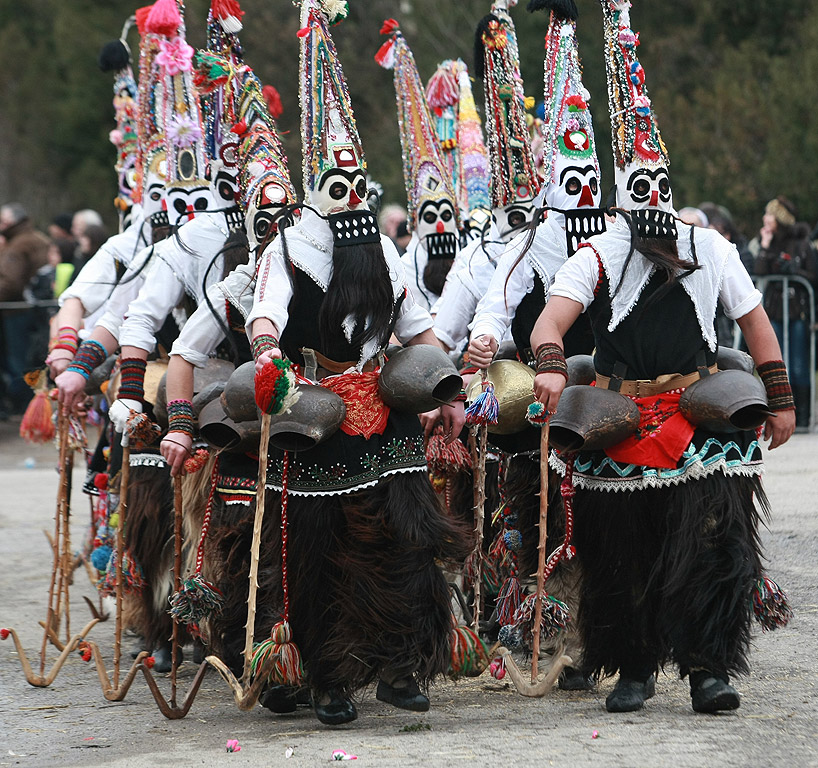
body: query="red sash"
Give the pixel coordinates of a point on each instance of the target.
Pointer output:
(367, 413)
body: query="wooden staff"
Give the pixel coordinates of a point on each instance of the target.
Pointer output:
(541, 549)
(124, 478)
(177, 580)
(256, 546)
(55, 544)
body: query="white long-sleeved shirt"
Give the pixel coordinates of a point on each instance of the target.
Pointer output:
(309, 244)
(512, 282)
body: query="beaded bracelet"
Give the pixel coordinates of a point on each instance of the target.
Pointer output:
(67, 339)
(180, 416)
(90, 355)
(263, 343)
(779, 393)
(132, 379)
(551, 359)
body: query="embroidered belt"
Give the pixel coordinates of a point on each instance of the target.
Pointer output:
(649, 387)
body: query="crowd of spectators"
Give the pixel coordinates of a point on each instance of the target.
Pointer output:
(34, 269)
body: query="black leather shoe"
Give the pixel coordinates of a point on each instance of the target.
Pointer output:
(572, 679)
(335, 710)
(629, 695)
(162, 659)
(712, 694)
(279, 699)
(404, 697)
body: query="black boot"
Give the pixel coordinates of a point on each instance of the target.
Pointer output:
(404, 694)
(138, 646)
(280, 699)
(162, 658)
(710, 692)
(629, 695)
(332, 709)
(572, 679)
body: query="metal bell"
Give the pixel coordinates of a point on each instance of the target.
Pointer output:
(100, 375)
(580, 370)
(222, 433)
(239, 396)
(315, 416)
(729, 359)
(592, 418)
(514, 389)
(727, 401)
(418, 379)
(213, 372)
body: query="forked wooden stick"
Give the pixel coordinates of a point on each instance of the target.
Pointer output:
(541, 550)
(536, 688)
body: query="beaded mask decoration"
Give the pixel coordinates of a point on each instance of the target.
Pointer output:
(116, 57)
(460, 132)
(334, 170)
(187, 189)
(514, 181)
(570, 162)
(431, 202)
(640, 157)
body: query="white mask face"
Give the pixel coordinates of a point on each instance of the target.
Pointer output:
(577, 187)
(510, 219)
(185, 202)
(339, 190)
(224, 184)
(435, 217)
(644, 187)
(260, 218)
(153, 199)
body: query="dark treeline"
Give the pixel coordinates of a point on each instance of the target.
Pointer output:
(729, 79)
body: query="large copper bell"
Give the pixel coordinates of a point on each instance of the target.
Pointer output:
(729, 359)
(315, 416)
(222, 433)
(727, 401)
(213, 372)
(580, 370)
(592, 418)
(99, 376)
(418, 379)
(514, 388)
(239, 396)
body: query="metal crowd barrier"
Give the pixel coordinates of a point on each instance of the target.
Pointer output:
(762, 283)
(36, 304)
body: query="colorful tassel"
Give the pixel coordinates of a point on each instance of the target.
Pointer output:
(273, 99)
(163, 18)
(37, 425)
(196, 599)
(276, 391)
(446, 460)
(497, 668)
(537, 415)
(485, 409)
(770, 605)
(385, 56)
(509, 600)
(141, 429)
(469, 658)
(229, 14)
(197, 461)
(555, 617)
(288, 669)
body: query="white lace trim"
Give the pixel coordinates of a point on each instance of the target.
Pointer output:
(695, 471)
(370, 484)
(147, 460)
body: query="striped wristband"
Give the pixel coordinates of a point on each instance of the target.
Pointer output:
(180, 416)
(779, 393)
(551, 359)
(263, 343)
(132, 379)
(90, 355)
(67, 339)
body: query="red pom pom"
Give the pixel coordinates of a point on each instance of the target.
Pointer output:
(142, 19)
(266, 383)
(389, 26)
(164, 18)
(4, 633)
(101, 481)
(149, 662)
(240, 128)
(223, 9)
(273, 99)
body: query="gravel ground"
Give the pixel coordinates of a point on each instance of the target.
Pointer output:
(480, 721)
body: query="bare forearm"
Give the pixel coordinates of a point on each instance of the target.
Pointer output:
(761, 339)
(427, 337)
(71, 314)
(179, 379)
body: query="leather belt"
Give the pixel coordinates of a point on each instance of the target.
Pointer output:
(322, 366)
(649, 387)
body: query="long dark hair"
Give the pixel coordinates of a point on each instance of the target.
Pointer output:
(360, 286)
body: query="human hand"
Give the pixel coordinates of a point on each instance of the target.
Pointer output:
(267, 357)
(548, 389)
(57, 361)
(71, 388)
(482, 350)
(779, 428)
(120, 412)
(453, 417)
(176, 447)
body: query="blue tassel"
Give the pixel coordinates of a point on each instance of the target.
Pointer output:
(485, 409)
